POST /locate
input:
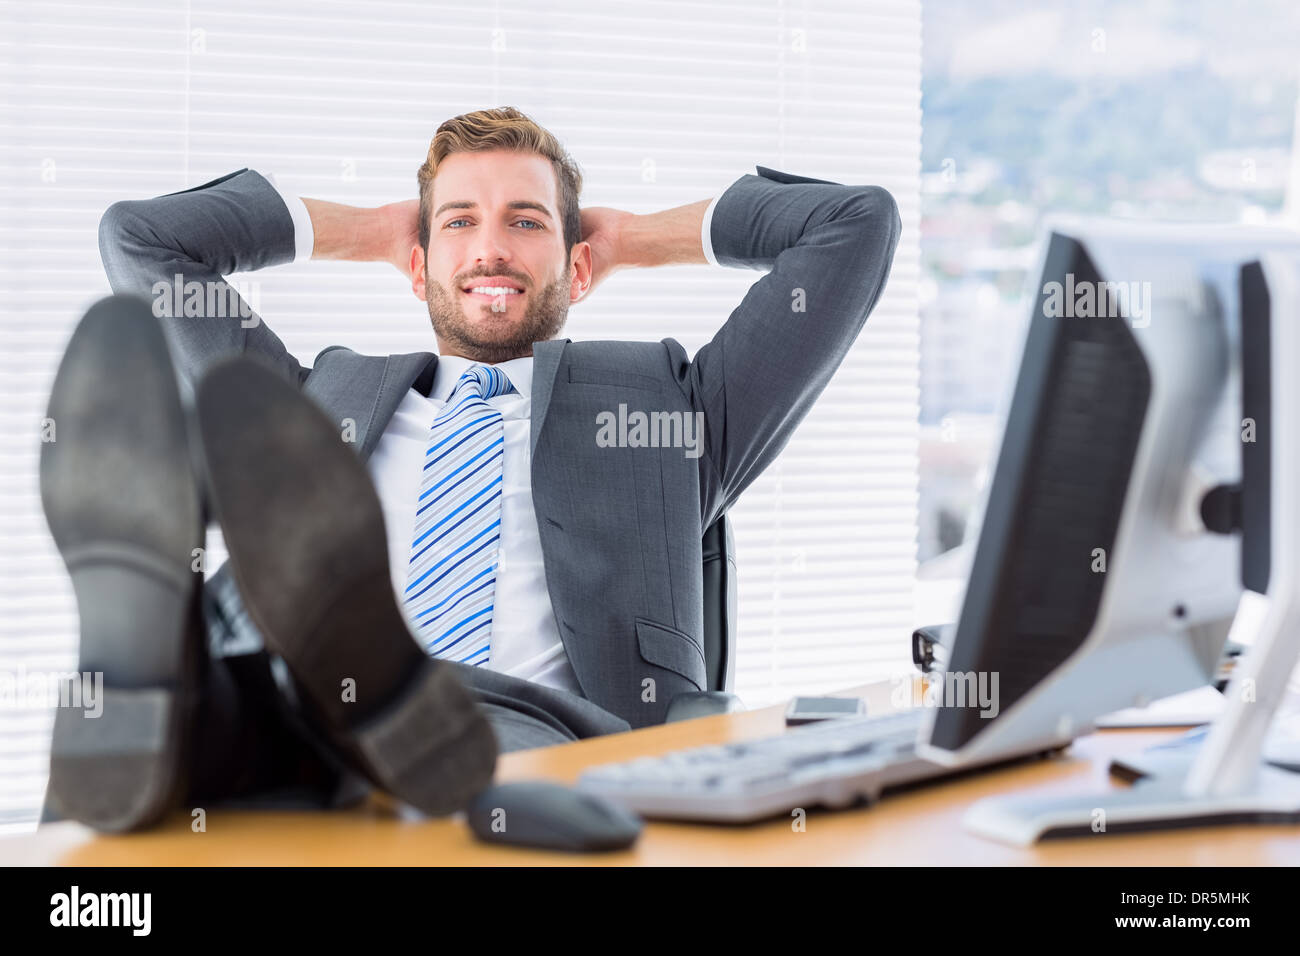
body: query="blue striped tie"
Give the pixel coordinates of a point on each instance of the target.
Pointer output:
(451, 578)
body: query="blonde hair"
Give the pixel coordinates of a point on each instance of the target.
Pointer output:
(503, 127)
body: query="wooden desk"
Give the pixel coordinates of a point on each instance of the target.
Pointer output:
(918, 827)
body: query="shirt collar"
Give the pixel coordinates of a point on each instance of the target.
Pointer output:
(451, 367)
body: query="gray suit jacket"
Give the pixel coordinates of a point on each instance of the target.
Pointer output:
(620, 527)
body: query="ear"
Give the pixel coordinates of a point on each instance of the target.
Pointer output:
(580, 272)
(417, 274)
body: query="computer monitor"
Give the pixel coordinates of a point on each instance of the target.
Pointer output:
(1095, 583)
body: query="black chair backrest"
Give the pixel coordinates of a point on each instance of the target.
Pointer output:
(719, 604)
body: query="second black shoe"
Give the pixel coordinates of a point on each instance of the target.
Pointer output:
(305, 532)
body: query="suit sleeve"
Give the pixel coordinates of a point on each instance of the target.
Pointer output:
(829, 248)
(176, 250)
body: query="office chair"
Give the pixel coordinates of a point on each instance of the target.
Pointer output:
(719, 629)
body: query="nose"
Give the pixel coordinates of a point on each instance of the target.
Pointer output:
(491, 245)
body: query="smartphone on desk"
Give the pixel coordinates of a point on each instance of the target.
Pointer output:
(807, 710)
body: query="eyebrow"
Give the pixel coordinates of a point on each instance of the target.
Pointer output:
(513, 204)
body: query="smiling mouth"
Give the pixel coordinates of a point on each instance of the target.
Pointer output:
(488, 292)
(498, 297)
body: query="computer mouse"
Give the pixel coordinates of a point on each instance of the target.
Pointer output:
(550, 816)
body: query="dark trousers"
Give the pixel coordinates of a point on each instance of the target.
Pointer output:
(248, 746)
(251, 747)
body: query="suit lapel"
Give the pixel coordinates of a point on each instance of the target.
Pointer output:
(400, 374)
(546, 362)
(365, 390)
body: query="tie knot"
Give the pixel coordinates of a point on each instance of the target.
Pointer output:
(484, 381)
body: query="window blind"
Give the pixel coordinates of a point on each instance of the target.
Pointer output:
(660, 104)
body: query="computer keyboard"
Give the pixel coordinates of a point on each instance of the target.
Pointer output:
(833, 763)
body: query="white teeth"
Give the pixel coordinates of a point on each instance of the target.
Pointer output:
(495, 290)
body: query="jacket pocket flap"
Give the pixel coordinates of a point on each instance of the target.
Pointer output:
(670, 648)
(593, 375)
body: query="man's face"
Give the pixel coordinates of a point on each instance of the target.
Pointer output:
(496, 225)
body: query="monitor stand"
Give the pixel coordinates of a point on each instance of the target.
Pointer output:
(1226, 779)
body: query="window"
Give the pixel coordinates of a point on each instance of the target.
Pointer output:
(660, 106)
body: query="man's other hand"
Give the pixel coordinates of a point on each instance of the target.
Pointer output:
(602, 228)
(402, 223)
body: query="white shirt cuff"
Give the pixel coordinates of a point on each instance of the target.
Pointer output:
(304, 236)
(706, 237)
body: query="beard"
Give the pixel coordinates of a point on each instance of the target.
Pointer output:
(492, 337)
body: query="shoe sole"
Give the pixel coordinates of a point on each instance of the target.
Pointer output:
(120, 499)
(305, 533)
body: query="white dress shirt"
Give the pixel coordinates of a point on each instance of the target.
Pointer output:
(525, 637)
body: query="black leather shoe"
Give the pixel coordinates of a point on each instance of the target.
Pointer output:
(305, 533)
(122, 504)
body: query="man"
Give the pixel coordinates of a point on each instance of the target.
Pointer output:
(552, 573)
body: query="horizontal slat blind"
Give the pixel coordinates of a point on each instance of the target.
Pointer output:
(660, 104)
